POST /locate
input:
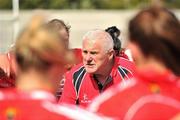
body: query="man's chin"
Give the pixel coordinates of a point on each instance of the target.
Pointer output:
(90, 70)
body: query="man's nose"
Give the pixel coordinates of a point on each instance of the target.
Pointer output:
(89, 57)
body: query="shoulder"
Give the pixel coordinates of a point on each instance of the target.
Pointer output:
(151, 106)
(70, 111)
(123, 61)
(77, 73)
(9, 93)
(124, 67)
(112, 94)
(77, 69)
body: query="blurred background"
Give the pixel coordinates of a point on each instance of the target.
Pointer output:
(81, 15)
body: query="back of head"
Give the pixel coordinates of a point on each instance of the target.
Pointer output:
(156, 31)
(60, 28)
(39, 48)
(56, 25)
(115, 32)
(101, 36)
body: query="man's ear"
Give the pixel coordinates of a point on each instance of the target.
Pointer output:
(111, 53)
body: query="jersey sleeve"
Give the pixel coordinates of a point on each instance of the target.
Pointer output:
(68, 94)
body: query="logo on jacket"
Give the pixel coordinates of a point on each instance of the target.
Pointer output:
(85, 99)
(11, 113)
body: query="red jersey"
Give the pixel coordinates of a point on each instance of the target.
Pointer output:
(38, 105)
(123, 54)
(8, 81)
(81, 87)
(77, 52)
(149, 96)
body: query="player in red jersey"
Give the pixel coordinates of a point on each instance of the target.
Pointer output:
(38, 74)
(8, 65)
(100, 70)
(153, 94)
(8, 73)
(38, 105)
(63, 30)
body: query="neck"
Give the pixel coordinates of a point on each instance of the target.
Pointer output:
(102, 77)
(33, 80)
(152, 64)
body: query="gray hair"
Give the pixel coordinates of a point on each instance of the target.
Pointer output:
(102, 35)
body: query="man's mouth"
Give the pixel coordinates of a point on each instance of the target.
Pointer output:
(90, 65)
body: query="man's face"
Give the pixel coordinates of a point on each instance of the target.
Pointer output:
(95, 58)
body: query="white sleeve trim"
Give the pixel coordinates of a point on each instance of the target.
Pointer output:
(71, 112)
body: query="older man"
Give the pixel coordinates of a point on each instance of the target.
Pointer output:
(99, 71)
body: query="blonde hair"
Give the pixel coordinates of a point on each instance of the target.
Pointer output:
(40, 48)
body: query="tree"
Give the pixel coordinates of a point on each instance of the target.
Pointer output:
(5, 4)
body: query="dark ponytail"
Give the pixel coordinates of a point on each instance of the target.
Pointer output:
(115, 32)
